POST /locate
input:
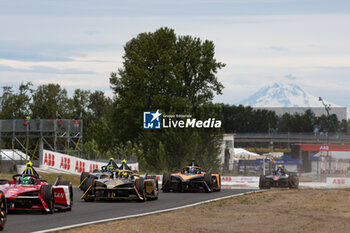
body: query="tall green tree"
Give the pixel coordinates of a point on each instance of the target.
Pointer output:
(98, 122)
(79, 103)
(7, 100)
(99, 105)
(16, 105)
(49, 100)
(176, 74)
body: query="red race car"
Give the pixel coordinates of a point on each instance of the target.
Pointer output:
(30, 192)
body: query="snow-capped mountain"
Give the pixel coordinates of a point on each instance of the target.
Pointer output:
(283, 95)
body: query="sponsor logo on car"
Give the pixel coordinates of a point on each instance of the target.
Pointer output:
(59, 195)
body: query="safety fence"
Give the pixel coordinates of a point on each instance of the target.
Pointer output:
(54, 161)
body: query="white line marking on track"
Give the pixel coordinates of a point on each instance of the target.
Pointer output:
(143, 214)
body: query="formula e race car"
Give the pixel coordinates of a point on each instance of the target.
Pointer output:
(96, 174)
(104, 173)
(191, 178)
(119, 184)
(3, 211)
(31, 193)
(278, 180)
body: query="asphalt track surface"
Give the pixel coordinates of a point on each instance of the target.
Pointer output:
(91, 211)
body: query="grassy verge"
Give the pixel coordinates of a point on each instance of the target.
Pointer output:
(50, 177)
(276, 210)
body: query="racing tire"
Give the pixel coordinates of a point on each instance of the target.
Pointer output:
(3, 211)
(296, 182)
(82, 177)
(157, 191)
(141, 189)
(293, 182)
(208, 179)
(47, 193)
(70, 187)
(262, 182)
(4, 181)
(218, 182)
(90, 181)
(166, 182)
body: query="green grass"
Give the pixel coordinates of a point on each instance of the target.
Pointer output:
(246, 201)
(50, 177)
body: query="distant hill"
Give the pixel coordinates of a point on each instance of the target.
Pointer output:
(283, 95)
(289, 97)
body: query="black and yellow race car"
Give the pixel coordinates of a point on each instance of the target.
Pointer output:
(191, 178)
(121, 183)
(103, 173)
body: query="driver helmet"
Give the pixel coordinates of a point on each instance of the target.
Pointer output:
(26, 180)
(279, 170)
(125, 174)
(29, 164)
(192, 171)
(111, 159)
(110, 168)
(123, 167)
(193, 162)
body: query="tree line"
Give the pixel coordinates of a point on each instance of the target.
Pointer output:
(160, 71)
(50, 100)
(245, 119)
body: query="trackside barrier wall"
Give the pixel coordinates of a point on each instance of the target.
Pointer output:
(241, 180)
(230, 180)
(338, 182)
(253, 181)
(71, 164)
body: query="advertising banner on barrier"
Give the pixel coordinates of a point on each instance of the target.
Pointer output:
(239, 180)
(338, 182)
(249, 181)
(71, 164)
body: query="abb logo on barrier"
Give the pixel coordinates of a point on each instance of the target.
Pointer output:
(338, 181)
(93, 167)
(324, 147)
(226, 178)
(80, 166)
(65, 163)
(49, 160)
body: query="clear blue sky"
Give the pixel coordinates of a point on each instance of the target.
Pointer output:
(78, 43)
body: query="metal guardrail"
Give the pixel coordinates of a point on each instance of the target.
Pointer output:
(40, 125)
(117, 159)
(291, 138)
(292, 135)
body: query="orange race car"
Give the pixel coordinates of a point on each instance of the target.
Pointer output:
(191, 178)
